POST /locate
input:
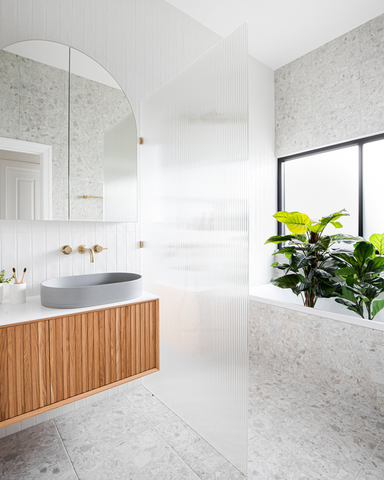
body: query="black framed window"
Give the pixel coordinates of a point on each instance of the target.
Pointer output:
(349, 175)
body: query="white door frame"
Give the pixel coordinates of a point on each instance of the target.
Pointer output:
(45, 154)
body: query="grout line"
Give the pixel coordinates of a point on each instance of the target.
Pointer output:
(66, 451)
(368, 459)
(155, 430)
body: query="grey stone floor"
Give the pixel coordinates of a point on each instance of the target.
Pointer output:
(296, 432)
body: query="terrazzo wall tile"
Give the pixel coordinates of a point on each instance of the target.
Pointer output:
(345, 359)
(332, 94)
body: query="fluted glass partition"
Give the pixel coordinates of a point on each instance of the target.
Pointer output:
(194, 169)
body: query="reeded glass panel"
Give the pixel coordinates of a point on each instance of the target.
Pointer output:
(373, 173)
(334, 175)
(195, 231)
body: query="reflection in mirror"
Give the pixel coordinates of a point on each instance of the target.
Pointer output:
(34, 131)
(65, 126)
(103, 145)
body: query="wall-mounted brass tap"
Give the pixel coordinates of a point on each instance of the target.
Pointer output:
(83, 249)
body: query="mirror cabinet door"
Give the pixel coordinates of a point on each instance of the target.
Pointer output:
(103, 145)
(34, 131)
(68, 138)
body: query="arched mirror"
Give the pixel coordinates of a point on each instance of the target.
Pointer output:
(68, 137)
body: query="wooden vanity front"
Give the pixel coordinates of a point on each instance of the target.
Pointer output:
(45, 364)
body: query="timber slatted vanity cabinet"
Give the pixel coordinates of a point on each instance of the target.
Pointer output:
(47, 361)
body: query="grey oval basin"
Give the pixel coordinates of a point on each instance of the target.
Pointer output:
(90, 290)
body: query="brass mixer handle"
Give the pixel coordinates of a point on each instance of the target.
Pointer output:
(98, 248)
(66, 250)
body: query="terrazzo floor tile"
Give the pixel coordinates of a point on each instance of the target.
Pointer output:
(152, 409)
(110, 440)
(196, 452)
(281, 466)
(227, 472)
(36, 453)
(374, 468)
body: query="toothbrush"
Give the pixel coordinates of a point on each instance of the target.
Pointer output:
(14, 272)
(22, 280)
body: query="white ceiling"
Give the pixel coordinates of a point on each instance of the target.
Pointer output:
(282, 30)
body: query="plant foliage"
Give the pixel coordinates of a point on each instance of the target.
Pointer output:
(4, 279)
(362, 272)
(310, 268)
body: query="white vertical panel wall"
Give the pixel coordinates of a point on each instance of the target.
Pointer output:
(195, 232)
(142, 43)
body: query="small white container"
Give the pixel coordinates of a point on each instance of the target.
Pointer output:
(1, 293)
(18, 293)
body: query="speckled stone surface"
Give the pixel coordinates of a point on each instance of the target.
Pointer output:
(35, 453)
(345, 359)
(297, 431)
(34, 108)
(332, 94)
(310, 433)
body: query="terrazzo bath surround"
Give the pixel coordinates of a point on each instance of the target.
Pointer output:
(340, 353)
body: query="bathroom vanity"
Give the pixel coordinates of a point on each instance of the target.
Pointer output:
(52, 357)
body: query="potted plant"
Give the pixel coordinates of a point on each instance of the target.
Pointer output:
(4, 279)
(362, 272)
(310, 271)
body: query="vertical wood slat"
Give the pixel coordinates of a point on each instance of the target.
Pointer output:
(147, 335)
(112, 350)
(132, 309)
(90, 355)
(27, 366)
(138, 338)
(35, 370)
(101, 340)
(21, 382)
(52, 360)
(84, 353)
(11, 372)
(4, 395)
(66, 358)
(96, 351)
(72, 356)
(152, 334)
(44, 362)
(119, 344)
(124, 372)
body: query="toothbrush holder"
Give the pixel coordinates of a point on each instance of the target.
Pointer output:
(18, 293)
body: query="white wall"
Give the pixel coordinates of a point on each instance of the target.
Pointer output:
(142, 43)
(263, 168)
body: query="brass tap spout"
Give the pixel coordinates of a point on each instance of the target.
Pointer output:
(83, 249)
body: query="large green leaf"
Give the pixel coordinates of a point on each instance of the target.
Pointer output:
(375, 265)
(296, 220)
(351, 306)
(363, 250)
(346, 271)
(334, 216)
(297, 223)
(377, 305)
(341, 237)
(287, 281)
(306, 262)
(284, 250)
(279, 239)
(281, 216)
(337, 224)
(316, 227)
(377, 240)
(348, 294)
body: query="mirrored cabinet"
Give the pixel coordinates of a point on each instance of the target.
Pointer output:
(68, 137)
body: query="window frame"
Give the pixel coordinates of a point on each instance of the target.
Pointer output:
(360, 142)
